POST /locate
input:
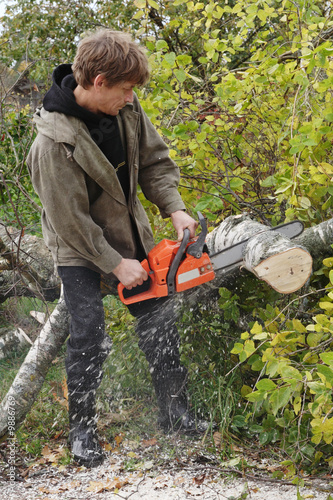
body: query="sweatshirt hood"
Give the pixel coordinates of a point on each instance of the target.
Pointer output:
(60, 101)
(61, 98)
(60, 95)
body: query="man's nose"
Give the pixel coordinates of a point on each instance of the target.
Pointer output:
(129, 96)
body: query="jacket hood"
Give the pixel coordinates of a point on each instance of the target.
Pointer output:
(57, 126)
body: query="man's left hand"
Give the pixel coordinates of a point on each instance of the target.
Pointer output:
(181, 220)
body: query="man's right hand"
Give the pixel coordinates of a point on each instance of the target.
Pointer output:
(130, 273)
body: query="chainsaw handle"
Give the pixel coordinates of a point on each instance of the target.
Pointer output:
(151, 289)
(139, 292)
(196, 248)
(171, 278)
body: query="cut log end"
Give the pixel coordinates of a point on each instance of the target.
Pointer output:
(287, 271)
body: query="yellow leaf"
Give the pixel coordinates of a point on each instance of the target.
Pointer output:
(297, 405)
(326, 305)
(107, 447)
(245, 390)
(256, 328)
(108, 485)
(326, 168)
(328, 262)
(118, 438)
(261, 336)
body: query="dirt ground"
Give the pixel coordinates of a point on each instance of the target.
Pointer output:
(154, 475)
(103, 483)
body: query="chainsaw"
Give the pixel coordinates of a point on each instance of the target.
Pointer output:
(174, 266)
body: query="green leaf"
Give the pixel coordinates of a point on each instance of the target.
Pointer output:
(256, 396)
(280, 397)
(237, 348)
(265, 384)
(209, 202)
(236, 184)
(154, 4)
(327, 357)
(170, 59)
(327, 373)
(290, 373)
(180, 75)
(239, 421)
(161, 44)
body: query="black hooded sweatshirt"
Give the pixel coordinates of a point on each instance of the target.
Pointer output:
(104, 130)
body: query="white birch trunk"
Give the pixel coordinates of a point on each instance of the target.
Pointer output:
(270, 256)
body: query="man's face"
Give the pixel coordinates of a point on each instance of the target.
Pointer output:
(110, 100)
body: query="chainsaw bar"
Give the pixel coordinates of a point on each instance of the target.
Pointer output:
(234, 254)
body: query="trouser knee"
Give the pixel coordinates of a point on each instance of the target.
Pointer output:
(157, 332)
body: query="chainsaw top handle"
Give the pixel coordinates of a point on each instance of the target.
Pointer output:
(176, 261)
(196, 248)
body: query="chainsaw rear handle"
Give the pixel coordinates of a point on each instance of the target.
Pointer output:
(145, 290)
(151, 289)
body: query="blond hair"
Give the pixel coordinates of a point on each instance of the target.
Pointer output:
(112, 54)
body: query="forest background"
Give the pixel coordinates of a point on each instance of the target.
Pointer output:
(242, 93)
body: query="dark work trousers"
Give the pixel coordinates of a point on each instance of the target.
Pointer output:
(89, 345)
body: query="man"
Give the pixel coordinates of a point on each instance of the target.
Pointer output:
(94, 146)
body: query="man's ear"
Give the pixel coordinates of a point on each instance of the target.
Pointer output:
(99, 81)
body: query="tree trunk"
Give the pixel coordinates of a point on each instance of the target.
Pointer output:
(288, 255)
(269, 255)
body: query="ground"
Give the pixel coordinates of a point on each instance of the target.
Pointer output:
(159, 467)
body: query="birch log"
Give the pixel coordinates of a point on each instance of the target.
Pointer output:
(270, 256)
(29, 379)
(318, 240)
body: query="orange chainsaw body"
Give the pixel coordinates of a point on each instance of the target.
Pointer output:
(191, 271)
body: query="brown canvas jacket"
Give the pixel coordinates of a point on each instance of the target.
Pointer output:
(86, 220)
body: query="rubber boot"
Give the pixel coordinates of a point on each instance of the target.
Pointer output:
(172, 399)
(84, 375)
(83, 431)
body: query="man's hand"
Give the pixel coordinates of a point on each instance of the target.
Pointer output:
(181, 220)
(130, 273)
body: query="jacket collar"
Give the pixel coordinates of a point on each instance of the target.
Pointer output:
(72, 131)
